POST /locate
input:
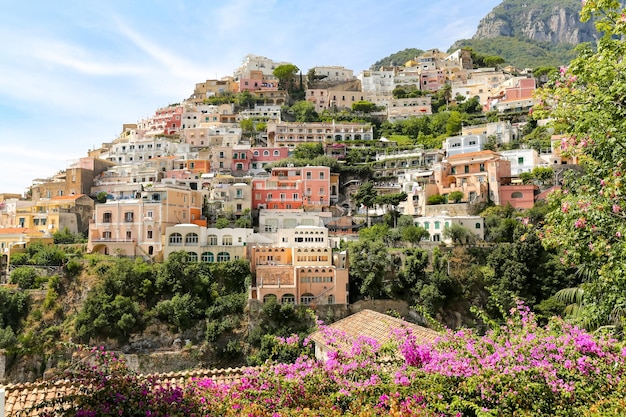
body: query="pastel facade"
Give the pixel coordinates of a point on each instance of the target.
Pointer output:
(271, 221)
(477, 174)
(503, 131)
(292, 188)
(55, 214)
(330, 99)
(264, 156)
(458, 145)
(292, 134)
(334, 73)
(207, 244)
(210, 88)
(135, 226)
(404, 108)
(519, 196)
(380, 82)
(522, 160)
(436, 225)
(17, 239)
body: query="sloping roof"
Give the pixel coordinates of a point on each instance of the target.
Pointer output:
(377, 326)
(67, 197)
(20, 231)
(22, 396)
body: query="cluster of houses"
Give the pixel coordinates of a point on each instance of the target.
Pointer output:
(159, 187)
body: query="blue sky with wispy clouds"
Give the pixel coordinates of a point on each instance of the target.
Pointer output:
(72, 72)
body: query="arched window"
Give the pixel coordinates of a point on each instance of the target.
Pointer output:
(331, 299)
(437, 225)
(276, 153)
(307, 298)
(426, 225)
(517, 194)
(227, 240)
(288, 299)
(478, 225)
(212, 240)
(191, 238)
(223, 257)
(192, 257)
(208, 257)
(176, 239)
(266, 153)
(268, 297)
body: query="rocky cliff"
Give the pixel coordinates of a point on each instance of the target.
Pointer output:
(552, 21)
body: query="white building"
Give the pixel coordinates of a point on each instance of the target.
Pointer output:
(457, 145)
(333, 73)
(436, 225)
(207, 244)
(522, 160)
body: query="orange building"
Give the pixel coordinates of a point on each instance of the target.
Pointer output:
(292, 188)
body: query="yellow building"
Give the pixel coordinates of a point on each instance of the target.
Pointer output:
(17, 239)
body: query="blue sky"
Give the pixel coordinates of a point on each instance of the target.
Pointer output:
(71, 73)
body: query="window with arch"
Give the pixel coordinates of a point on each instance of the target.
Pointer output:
(191, 238)
(207, 257)
(223, 257)
(478, 226)
(269, 297)
(176, 239)
(426, 225)
(331, 299)
(288, 299)
(256, 153)
(307, 298)
(517, 194)
(212, 240)
(437, 225)
(276, 153)
(266, 153)
(227, 240)
(192, 257)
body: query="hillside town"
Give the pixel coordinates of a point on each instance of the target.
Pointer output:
(204, 176)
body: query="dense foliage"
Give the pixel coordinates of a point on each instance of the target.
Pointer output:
(518, 368)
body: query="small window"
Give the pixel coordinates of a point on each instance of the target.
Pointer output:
(517, 194)
(478, 225)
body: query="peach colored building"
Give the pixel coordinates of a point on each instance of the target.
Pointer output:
(519, 196)
(300, 269)
(292, 134)
(204, 244)
(478, 175)
(17, 239)
(292, 188)
(50, 215)
(135, 226)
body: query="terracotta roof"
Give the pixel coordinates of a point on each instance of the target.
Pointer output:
(20, 231)
(378, 326)
(22, 396)
(474, 154)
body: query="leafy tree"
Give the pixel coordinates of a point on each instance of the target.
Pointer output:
(286, 76)
(435, 199)
(247, 126)
(66, 237)
(366, 196)
(25, 277)
(308, 150)
(304, 111)
(413, 271)
(458, 233)
(414, 234)
(245, 99)
(369, 262)
(363, 106)
(586, 103)
(456, 196)
(14, 307)
(101, 197)
(222, 223)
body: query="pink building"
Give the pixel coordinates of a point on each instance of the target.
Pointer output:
(263, 156)
(292, 188)
(520, 196)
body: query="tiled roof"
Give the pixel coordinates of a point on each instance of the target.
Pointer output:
(20, 231)
(23, 396)
(67, 197)
(377, 326)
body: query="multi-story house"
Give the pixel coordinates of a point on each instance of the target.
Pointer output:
(503, 131)
(264, 156)
(515, 94)
(418, 185)
(271, 221)
(17, 239)
(254, 81)
(436, 225)
(135, 226)
(211, 88)
(457, 145)
(292, 134)
(333, 73)
(404, 108)
(333, 98)
(394, 164)
(135, 147)
(212, 134)
(204, 244)
(165, 121)
(229, 195)
(522, 160)
(480, 82)
(50, 215)
(300, 268)
(77, 179)
(260, 112)
(379, 82)
(292, 188)
(477, 174)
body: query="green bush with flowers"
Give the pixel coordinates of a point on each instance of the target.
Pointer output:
(519, 368)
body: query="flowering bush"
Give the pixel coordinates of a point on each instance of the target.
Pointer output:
(519, 368)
